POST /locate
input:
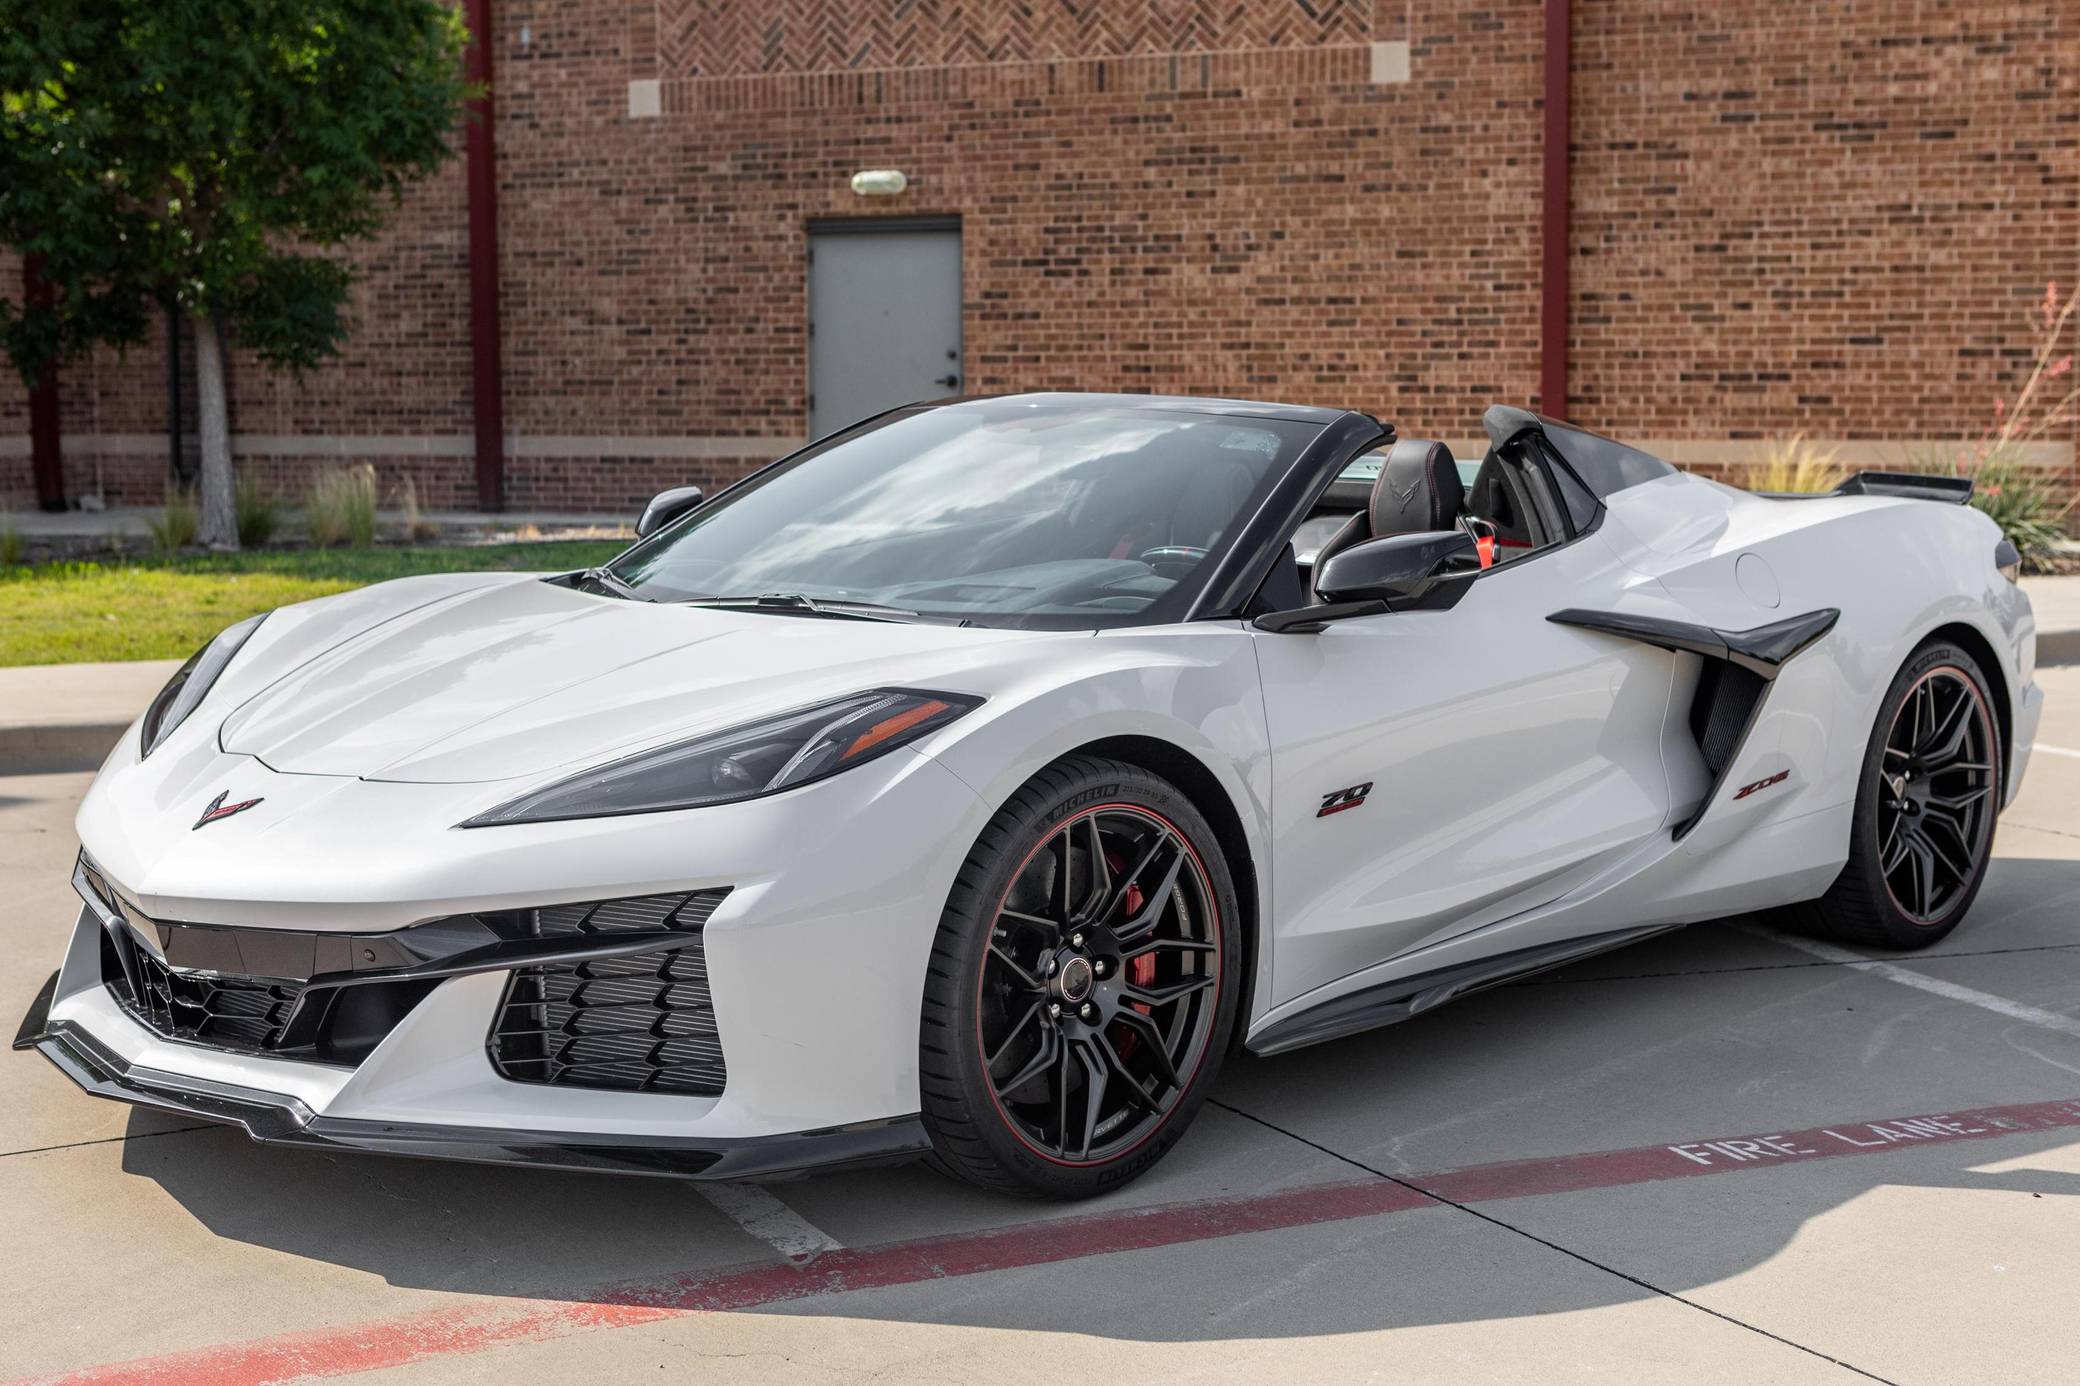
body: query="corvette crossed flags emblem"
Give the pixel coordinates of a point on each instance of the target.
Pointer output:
(219, 809)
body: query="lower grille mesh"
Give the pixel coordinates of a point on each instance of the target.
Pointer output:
(640, 1023)
(242, 1013)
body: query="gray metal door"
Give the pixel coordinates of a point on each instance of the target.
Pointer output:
(884, 320)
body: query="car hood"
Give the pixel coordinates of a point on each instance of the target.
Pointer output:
(524, 677)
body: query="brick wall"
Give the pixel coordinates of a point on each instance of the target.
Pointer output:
(1829, 217)
(1835, 217)
(1267, 222)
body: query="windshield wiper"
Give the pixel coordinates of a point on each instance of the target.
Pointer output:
(608, 582)
(810, 606)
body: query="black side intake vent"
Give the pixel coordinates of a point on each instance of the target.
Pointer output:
(637, 1022)
(1739, 666)
(1720, 712)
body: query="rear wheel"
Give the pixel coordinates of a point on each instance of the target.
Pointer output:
(1922, 832)
(1081, 990)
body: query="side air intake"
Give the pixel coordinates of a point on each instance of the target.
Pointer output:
(1725, 703)
(1739, 666)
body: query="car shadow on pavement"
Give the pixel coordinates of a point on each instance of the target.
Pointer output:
(1675, 1033)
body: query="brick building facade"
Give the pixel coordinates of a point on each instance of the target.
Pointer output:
(1812, 215)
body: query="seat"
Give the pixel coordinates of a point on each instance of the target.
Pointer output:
(1418, 490)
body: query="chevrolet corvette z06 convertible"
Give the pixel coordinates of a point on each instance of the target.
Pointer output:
(971, 782)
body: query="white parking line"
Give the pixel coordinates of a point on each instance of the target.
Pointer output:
(1984, 1000)
(2057, 751)
(771, 1221)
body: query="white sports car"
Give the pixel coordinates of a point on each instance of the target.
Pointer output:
(970, 782)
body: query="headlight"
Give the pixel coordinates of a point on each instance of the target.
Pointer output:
(191, 683)
(744, 762)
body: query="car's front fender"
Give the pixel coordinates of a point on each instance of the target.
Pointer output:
(1193, 687)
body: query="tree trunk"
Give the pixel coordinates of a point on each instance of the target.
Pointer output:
(219, 520)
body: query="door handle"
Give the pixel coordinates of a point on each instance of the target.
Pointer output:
(949, 381)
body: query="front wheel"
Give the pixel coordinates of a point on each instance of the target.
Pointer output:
(1922, 833)
(1083, 984)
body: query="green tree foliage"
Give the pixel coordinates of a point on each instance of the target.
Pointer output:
(212, 156)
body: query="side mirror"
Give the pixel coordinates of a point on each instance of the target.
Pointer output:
(665, 507)
(1396, 569)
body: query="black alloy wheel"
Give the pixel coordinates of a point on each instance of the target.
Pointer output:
(1080, 994)
(1936, 794)
(1921, 836)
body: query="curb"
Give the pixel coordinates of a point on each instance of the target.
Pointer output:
(61, 749)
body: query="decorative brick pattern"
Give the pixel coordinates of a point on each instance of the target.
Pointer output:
(1206, 74)
(728, 38)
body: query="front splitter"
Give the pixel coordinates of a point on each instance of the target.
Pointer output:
(278, 1119)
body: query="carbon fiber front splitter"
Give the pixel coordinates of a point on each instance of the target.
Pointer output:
(276, 1119)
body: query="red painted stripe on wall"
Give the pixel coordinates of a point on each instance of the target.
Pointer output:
(492, 1323)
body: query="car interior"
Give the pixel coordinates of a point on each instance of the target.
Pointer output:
(1513, 503)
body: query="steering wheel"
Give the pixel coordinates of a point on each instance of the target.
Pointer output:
(1181, 557)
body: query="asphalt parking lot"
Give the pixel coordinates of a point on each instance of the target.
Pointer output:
(1717, 1156)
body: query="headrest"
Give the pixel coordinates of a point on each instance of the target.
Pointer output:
(1418, 489)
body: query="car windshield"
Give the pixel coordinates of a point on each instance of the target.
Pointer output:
(996, 513)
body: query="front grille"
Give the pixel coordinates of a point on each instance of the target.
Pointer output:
(242, 1013)
(639, 1023)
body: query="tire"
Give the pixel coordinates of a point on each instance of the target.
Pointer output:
(1045, 986)
(1922, 832)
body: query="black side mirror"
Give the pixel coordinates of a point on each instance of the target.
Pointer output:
(1396, 569)
(665, 507)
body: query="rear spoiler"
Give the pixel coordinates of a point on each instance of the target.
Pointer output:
(1956, 490)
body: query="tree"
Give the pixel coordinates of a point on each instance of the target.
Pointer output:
(206, 155)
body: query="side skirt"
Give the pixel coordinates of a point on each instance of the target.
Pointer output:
(1403, 997)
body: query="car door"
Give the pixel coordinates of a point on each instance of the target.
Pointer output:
(1436, 770)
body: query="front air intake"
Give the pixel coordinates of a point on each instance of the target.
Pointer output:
(246, 1015)
(640, 1022)
(606, 993)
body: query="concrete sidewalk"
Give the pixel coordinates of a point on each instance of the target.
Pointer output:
(56, 717)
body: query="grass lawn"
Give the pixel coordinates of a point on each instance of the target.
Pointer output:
(63, 613)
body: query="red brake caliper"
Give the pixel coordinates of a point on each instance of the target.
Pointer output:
(1142, 971)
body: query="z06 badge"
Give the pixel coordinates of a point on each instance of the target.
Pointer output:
(1343, 799)
(1777, 778)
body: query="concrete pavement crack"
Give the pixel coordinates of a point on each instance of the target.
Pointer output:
(1413, 1187)
(2038, 828)
(107, 1140)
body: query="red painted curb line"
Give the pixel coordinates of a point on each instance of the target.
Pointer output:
(448, 1332)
